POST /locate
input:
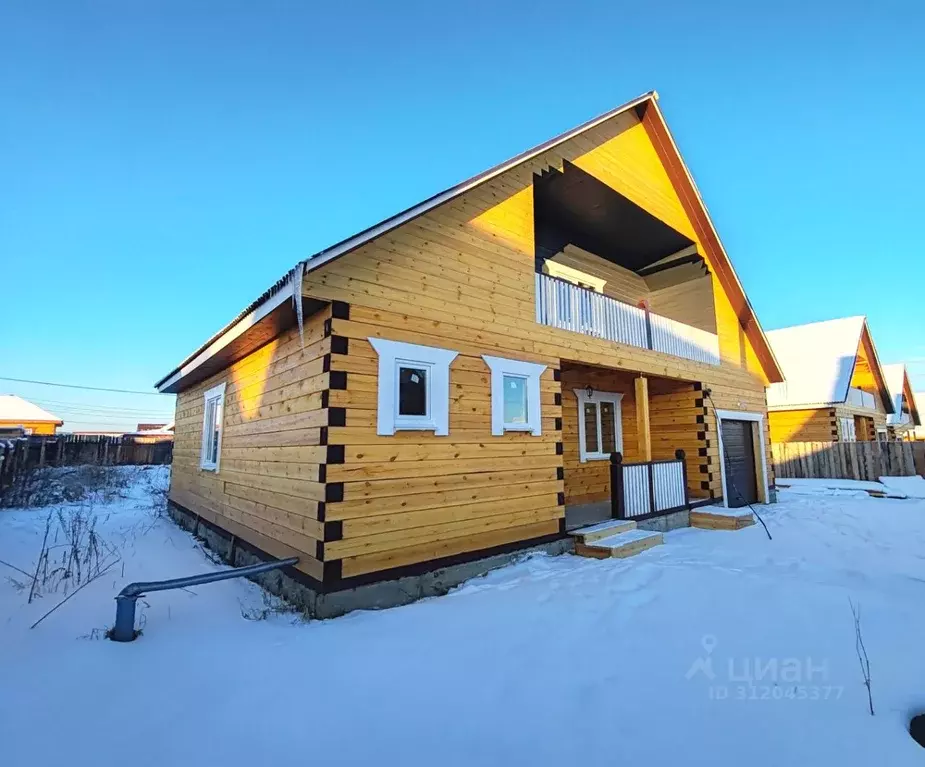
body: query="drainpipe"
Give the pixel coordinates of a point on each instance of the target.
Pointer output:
(124, 628)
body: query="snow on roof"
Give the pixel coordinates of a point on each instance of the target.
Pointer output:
(18, 410)
(817, 360)
(895, 377)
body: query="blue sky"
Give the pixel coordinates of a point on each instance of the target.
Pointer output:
(163, 163)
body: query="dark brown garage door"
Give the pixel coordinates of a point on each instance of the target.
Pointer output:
(739, 458)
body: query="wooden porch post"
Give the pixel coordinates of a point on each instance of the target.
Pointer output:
(643, 436)
(617, 501)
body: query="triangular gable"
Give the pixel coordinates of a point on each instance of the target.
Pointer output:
(646, 109)
(897, 380)
(683, 182)
(819, 362)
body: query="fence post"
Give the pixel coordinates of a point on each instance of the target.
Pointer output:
(682, 457)
(617, 501)
(650, 474)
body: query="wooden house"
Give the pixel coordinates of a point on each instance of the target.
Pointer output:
(917, 434)
(450, 383)
(835, 388)
(901, 424)
(17, 414)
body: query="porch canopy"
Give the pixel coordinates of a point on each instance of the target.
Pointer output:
(574, 207)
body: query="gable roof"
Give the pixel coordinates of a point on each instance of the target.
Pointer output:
(818, 360)
(646, 107)
(17, 410)
(897, 380)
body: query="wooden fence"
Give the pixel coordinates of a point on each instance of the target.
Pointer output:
(847, 460)
(22, 454)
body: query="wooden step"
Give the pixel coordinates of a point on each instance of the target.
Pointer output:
(621, 545)
(717, 518)
(603, 530)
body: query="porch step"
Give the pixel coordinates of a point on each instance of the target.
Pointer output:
(603, 530)
(717, 518)
(620, 545)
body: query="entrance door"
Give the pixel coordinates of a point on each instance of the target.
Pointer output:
(739, 460)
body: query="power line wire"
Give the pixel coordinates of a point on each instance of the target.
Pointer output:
(98, 409)
(87, 388)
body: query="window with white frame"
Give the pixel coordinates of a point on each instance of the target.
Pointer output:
(515, 395)
(414, 387)
(212, 412)
(848, 433)
(600, 424)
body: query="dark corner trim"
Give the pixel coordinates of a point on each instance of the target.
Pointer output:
(334, 492)
(340, 310)
(560, 472)
(335, 454)
(337, 379)
(337, 416)
(558, 398)
(339, 344)
(333, 531)
(558, 448)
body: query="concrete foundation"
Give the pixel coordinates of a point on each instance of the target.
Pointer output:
(373, 596)
(668, 522)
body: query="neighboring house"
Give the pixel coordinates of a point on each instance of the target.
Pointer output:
(835, 389)
(17, 413)
(918, 433)
(902, 422)
(450, 383)
(149, 433)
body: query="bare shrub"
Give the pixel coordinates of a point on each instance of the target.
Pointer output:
(72, 554)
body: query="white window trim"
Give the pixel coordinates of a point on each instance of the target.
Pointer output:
(437, 363)
(736, 415)
(574, 276)
(217, 392)
(599, 396)
(500, 367)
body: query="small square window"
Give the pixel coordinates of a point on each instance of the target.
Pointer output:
(515, 400)
(515, 395)
(413, 387)
(412, 391)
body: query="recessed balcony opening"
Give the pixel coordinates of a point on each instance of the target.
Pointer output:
(607, 267)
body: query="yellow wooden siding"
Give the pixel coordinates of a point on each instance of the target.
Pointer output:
(813, 425)
(413, 493)
(590, 481)
(33, 427)
(690, 302)
(268, 485)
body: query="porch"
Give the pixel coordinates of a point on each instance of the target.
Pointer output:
(645, 419)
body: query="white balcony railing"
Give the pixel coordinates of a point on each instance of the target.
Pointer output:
(861, 398)
(560, 304)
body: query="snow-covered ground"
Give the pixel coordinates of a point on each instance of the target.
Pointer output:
(720, 648)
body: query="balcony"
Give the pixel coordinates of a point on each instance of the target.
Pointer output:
(860, 398)
(560, 304)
